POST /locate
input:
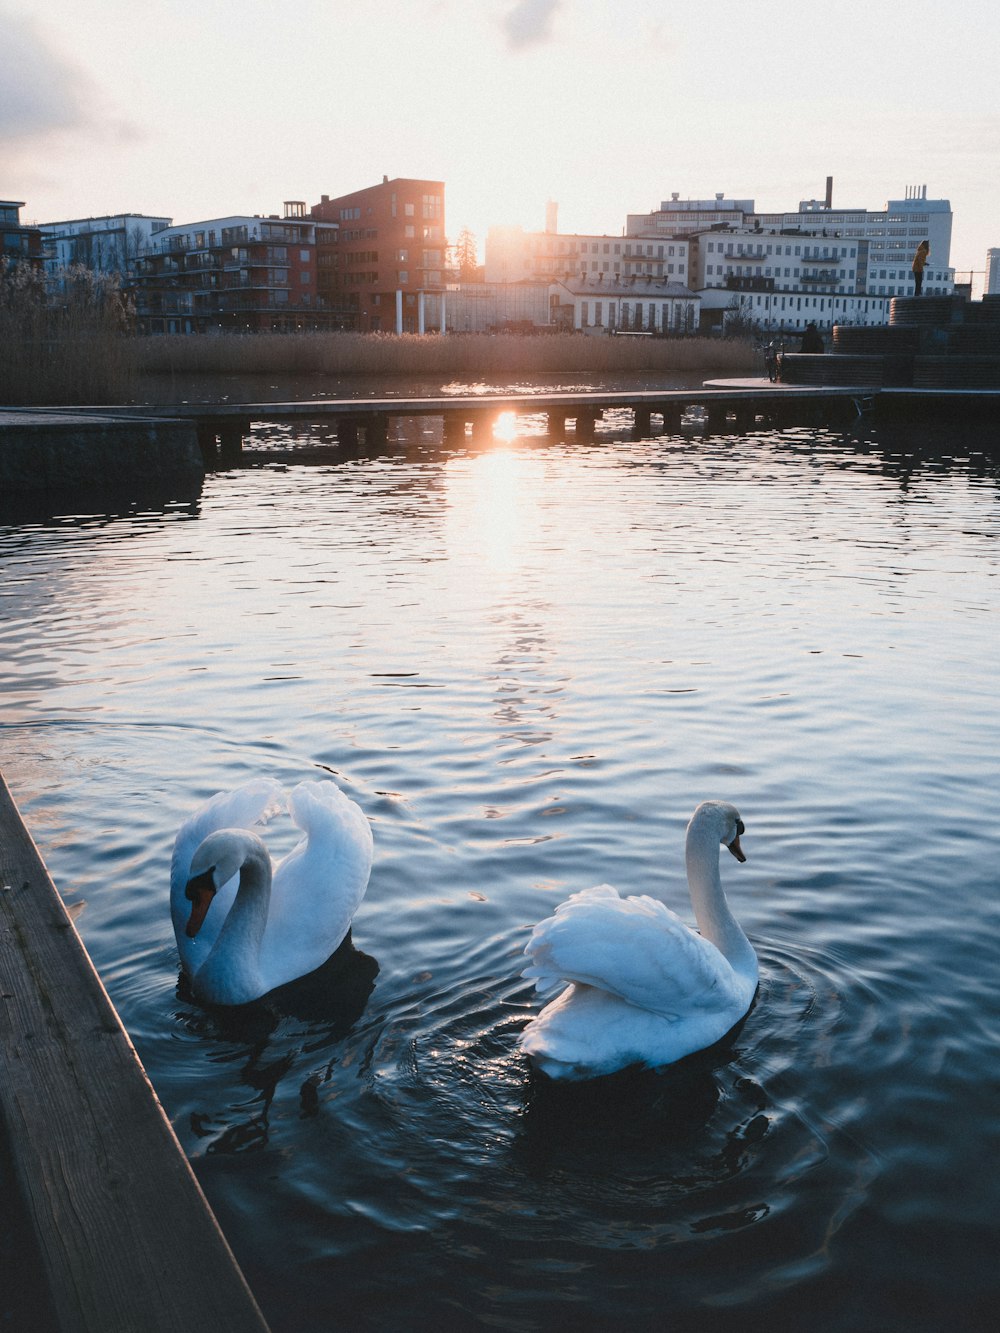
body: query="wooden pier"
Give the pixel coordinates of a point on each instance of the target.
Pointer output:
(96, 446)
(126, 1240)
(222, 427)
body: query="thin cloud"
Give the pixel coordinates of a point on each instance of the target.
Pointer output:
(40, 90)
(529, 23)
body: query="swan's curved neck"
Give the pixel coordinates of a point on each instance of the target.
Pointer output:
(231, 972)
(715, 920)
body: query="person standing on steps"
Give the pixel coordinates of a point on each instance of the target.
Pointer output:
(812, 339)
(919, 260)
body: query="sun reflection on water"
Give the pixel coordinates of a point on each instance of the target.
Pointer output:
(493, 509)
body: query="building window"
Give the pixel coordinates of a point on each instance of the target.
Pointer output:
(402, 275)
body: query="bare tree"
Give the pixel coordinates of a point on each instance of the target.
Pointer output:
(465, 256)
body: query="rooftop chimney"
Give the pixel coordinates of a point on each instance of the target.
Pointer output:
(829, 191)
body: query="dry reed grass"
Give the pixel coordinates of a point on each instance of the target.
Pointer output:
(69, 343)
(64, 340)
(481, 356)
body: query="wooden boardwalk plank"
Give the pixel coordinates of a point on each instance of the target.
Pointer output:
(127, 1240)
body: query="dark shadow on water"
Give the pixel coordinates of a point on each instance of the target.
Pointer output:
(266, 1039)
(106, 503)
(619, 1115)
(332, 998)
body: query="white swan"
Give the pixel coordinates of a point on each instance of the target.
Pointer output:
(644, 989)
(243, 926)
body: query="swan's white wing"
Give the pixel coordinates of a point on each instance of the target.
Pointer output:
(635, 948)
(246, 807)
(318, 886)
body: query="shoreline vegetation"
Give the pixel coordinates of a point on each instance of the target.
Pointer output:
(79, 368)
(76, 347)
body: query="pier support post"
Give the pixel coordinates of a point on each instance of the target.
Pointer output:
(482, 426)
(641, 422)
(717, 414)
(208, 443)
(556, 422)
(454, 427)
(347, 432)
(672, 413)
(376, 430)
(585, 420)
(746, 417)
(231, 441)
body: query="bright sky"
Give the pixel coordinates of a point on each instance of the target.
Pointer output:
(194, 109)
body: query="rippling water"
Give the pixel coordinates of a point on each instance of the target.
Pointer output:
(528, 660)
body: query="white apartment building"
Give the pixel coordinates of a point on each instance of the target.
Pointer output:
(816, 264)
(109, 244)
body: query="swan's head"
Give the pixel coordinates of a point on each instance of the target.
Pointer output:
(217, 860)
(723, 818)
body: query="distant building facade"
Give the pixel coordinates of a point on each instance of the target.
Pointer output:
(515, 255)
(111, 244)
(635, 304)
(992, 285)
(244, 273)
(18, 245)
(381, 256)
(491, 307)
(816, 264)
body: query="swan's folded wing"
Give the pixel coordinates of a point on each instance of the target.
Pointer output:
(635, 948)
(246, 807)
(335, 824)
(318, 886)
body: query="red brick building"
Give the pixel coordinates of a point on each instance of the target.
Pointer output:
(380, 257)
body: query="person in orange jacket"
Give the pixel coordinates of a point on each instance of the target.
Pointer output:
(919, 260)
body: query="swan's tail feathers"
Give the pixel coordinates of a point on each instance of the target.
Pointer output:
(246, 807)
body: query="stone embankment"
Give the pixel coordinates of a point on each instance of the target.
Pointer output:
(930, 343)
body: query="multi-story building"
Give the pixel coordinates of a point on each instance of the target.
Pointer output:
(992, 284)
(110, 244)
(816, 264)
(18, 245)
(514, 255)
(241, 273)
(381, 256)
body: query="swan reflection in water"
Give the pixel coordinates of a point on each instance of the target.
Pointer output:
(308, 1017)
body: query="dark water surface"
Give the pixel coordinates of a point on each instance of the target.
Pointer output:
(528, 661)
